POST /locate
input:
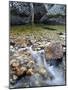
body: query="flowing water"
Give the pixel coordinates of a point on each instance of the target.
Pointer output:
(55, 73)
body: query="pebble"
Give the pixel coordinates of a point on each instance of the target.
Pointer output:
(30, 71)
(15, 77)
(42, 71)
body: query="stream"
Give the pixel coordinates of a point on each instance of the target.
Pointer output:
(56, 73)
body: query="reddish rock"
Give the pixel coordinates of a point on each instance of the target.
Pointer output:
(54, 51)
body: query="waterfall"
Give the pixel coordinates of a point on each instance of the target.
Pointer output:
(36, 56)
(40, 57)
(55, 73)
(48, 68)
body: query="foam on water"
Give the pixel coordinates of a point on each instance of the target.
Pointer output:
(56, 73)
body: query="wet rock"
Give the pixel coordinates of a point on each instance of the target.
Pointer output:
(15, 77)
(14, 63)
(22, 65)
(12, 81)
(11, 47)
(28, 42)
(64, 50)
(54, 51)
(12, 43)
(60, 33)
(42, 71)
(11, 53)
(30, 71)
(20, 71)
(12, 50)
(42, 46)
(17, 68)
(21, 42)
(35, 80)
(30, 64)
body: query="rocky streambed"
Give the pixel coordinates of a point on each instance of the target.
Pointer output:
(35, 63)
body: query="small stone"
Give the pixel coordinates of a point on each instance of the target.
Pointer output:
(42, 46)
(12, 81)
(12, 43)
(20, 42)
(16, 54)
(12, 61)
(28, 42)
(30, 71)
(42, 71)
(60, 33)
(15, 64)
(20, 71)
(11, 47)
(14, 77)
(31, 62)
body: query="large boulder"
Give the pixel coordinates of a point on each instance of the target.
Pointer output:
(54, 51)
(39, 12)
(20, 12)
(55, 14)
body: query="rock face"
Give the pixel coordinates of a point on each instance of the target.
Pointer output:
(56, 9)
(55, 14)
(20, 13)
(39, 11)
(56, 20)
(17, 20)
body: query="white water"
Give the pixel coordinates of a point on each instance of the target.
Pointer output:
(54, 72)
